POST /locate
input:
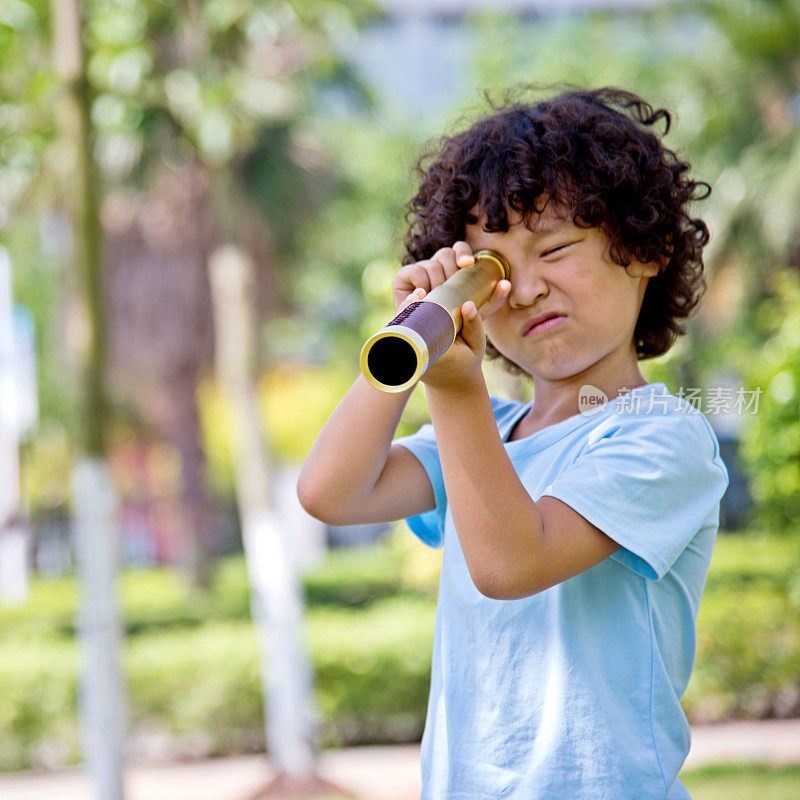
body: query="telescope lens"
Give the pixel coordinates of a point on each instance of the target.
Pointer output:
(392, 361)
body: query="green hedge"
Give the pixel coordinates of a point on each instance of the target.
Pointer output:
(192, 669)
(37, 703)
(160, 598)
(191, 665)
(748, 629)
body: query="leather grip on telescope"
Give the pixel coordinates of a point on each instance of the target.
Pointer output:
(431, 322)
(401, 352)
(394, 358)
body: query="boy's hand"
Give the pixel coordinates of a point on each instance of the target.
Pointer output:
(460, 367)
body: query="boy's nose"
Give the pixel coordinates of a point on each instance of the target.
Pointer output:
(526, 288)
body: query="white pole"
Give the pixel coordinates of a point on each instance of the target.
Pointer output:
(102, 698)
(13, 551)
(275, 592)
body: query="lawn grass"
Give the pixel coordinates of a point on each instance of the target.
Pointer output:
(743, 782)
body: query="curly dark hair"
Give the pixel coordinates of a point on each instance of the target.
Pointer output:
(588, 151)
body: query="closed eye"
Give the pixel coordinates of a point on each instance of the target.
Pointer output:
(560, 247)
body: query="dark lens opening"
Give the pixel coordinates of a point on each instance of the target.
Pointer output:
(392, 361)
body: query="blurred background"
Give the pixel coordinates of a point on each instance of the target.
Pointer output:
(201, 209)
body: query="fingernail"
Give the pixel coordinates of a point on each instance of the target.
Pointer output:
(464, 260)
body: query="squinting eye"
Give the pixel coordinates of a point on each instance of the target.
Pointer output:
(555, 249)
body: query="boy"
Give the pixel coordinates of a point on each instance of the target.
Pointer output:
(576, 545)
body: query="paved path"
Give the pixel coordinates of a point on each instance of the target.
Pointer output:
(372, 773)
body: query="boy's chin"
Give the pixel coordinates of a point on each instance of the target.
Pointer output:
(555, 370)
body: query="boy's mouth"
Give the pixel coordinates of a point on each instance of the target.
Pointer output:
(546, 319)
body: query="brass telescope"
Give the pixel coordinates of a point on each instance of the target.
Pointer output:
(394, 358)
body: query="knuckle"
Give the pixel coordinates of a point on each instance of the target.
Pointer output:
(419, 272)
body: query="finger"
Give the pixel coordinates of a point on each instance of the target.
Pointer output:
(497, 299)
(408, 278)
(421, 275)
(447, 258)
(464, 254)
(412, 297)
(436, 272)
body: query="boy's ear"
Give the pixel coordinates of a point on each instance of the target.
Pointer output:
(640, 270)
(651, 268)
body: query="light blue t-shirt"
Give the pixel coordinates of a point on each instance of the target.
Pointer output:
(575, 692)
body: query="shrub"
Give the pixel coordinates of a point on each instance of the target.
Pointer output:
(770, 450)
(748, 651)
(192, 666)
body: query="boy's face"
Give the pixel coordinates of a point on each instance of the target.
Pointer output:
(598, 299)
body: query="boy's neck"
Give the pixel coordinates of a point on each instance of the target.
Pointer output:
(556, 400)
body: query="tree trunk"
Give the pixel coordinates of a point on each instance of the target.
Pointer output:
(161, 334)
(94, 502)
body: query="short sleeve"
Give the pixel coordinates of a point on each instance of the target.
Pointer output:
(651, 483)
(429, 526)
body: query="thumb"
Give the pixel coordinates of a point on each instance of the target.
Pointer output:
(471, 326)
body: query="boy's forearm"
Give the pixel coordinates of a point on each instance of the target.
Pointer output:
(350, 453)
(496, 519)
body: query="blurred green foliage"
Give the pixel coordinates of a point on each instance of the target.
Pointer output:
(742, 782)
(748, 627)
(369, 629)
(771, 438)
(228, 85)
(153, 599)
(184, 81)
(369, 636)
(172, 86)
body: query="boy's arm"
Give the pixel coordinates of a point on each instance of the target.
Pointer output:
(353, 474)
(514, 546)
